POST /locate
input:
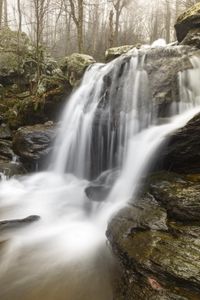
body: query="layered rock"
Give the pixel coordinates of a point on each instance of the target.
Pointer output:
(156, 239)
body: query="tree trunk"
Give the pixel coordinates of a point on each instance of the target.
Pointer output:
(5, 13)
(1, 13)
(154, 34)
(20, 17)
(80, 26)
(111, 30)
(117, 16)
(168, 22)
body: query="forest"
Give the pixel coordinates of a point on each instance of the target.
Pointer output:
(99, 150)
(91, 27)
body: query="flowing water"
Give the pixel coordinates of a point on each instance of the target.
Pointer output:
(109, 130)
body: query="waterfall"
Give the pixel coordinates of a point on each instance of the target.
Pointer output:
(109, 133)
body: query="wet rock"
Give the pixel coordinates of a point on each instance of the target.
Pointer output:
(192, 38)
(182, 151)
(6, 152)
(145, 214)
(18, 223)
(190, 19)
(10, 169)
(34, 143)
(115, 52)
(5, 132)
(54, 91)
(99, 188)
(163, 66)
(74, 66)
(156, 239)
(179, 195)
(97, 193)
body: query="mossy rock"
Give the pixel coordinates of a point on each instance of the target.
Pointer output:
(74, 66)
(15, 50)
(187, 21)
(115, 52)
(178, 194)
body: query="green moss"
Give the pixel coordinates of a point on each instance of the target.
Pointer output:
(74, 66)
(192, 12)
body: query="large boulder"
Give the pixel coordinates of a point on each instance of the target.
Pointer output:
(74, 66)
(187, 21)
(33, 144)
(156, 240)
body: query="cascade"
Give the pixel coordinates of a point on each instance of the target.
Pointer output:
(109, 129)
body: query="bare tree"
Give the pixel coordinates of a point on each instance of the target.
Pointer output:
(40, 10)
(5, 13)
(1, 13)
(77, 13)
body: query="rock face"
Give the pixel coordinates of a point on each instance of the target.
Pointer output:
(182, 151)
(34, 143)
(189, 20)
(74, 66)
(157, 241)
(163, 66)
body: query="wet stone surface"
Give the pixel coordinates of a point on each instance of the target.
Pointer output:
(157, 241)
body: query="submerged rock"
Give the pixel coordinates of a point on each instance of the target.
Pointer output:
(99, 188)
(97, 193)
(34, 143)
(18, 223)
(156, 239)
(10, 169)
(187, 21)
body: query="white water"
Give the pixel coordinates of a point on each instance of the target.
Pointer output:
(64, 255)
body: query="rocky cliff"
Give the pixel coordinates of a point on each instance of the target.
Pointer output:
(156, 237)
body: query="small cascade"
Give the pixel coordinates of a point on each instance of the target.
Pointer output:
(109, 130)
